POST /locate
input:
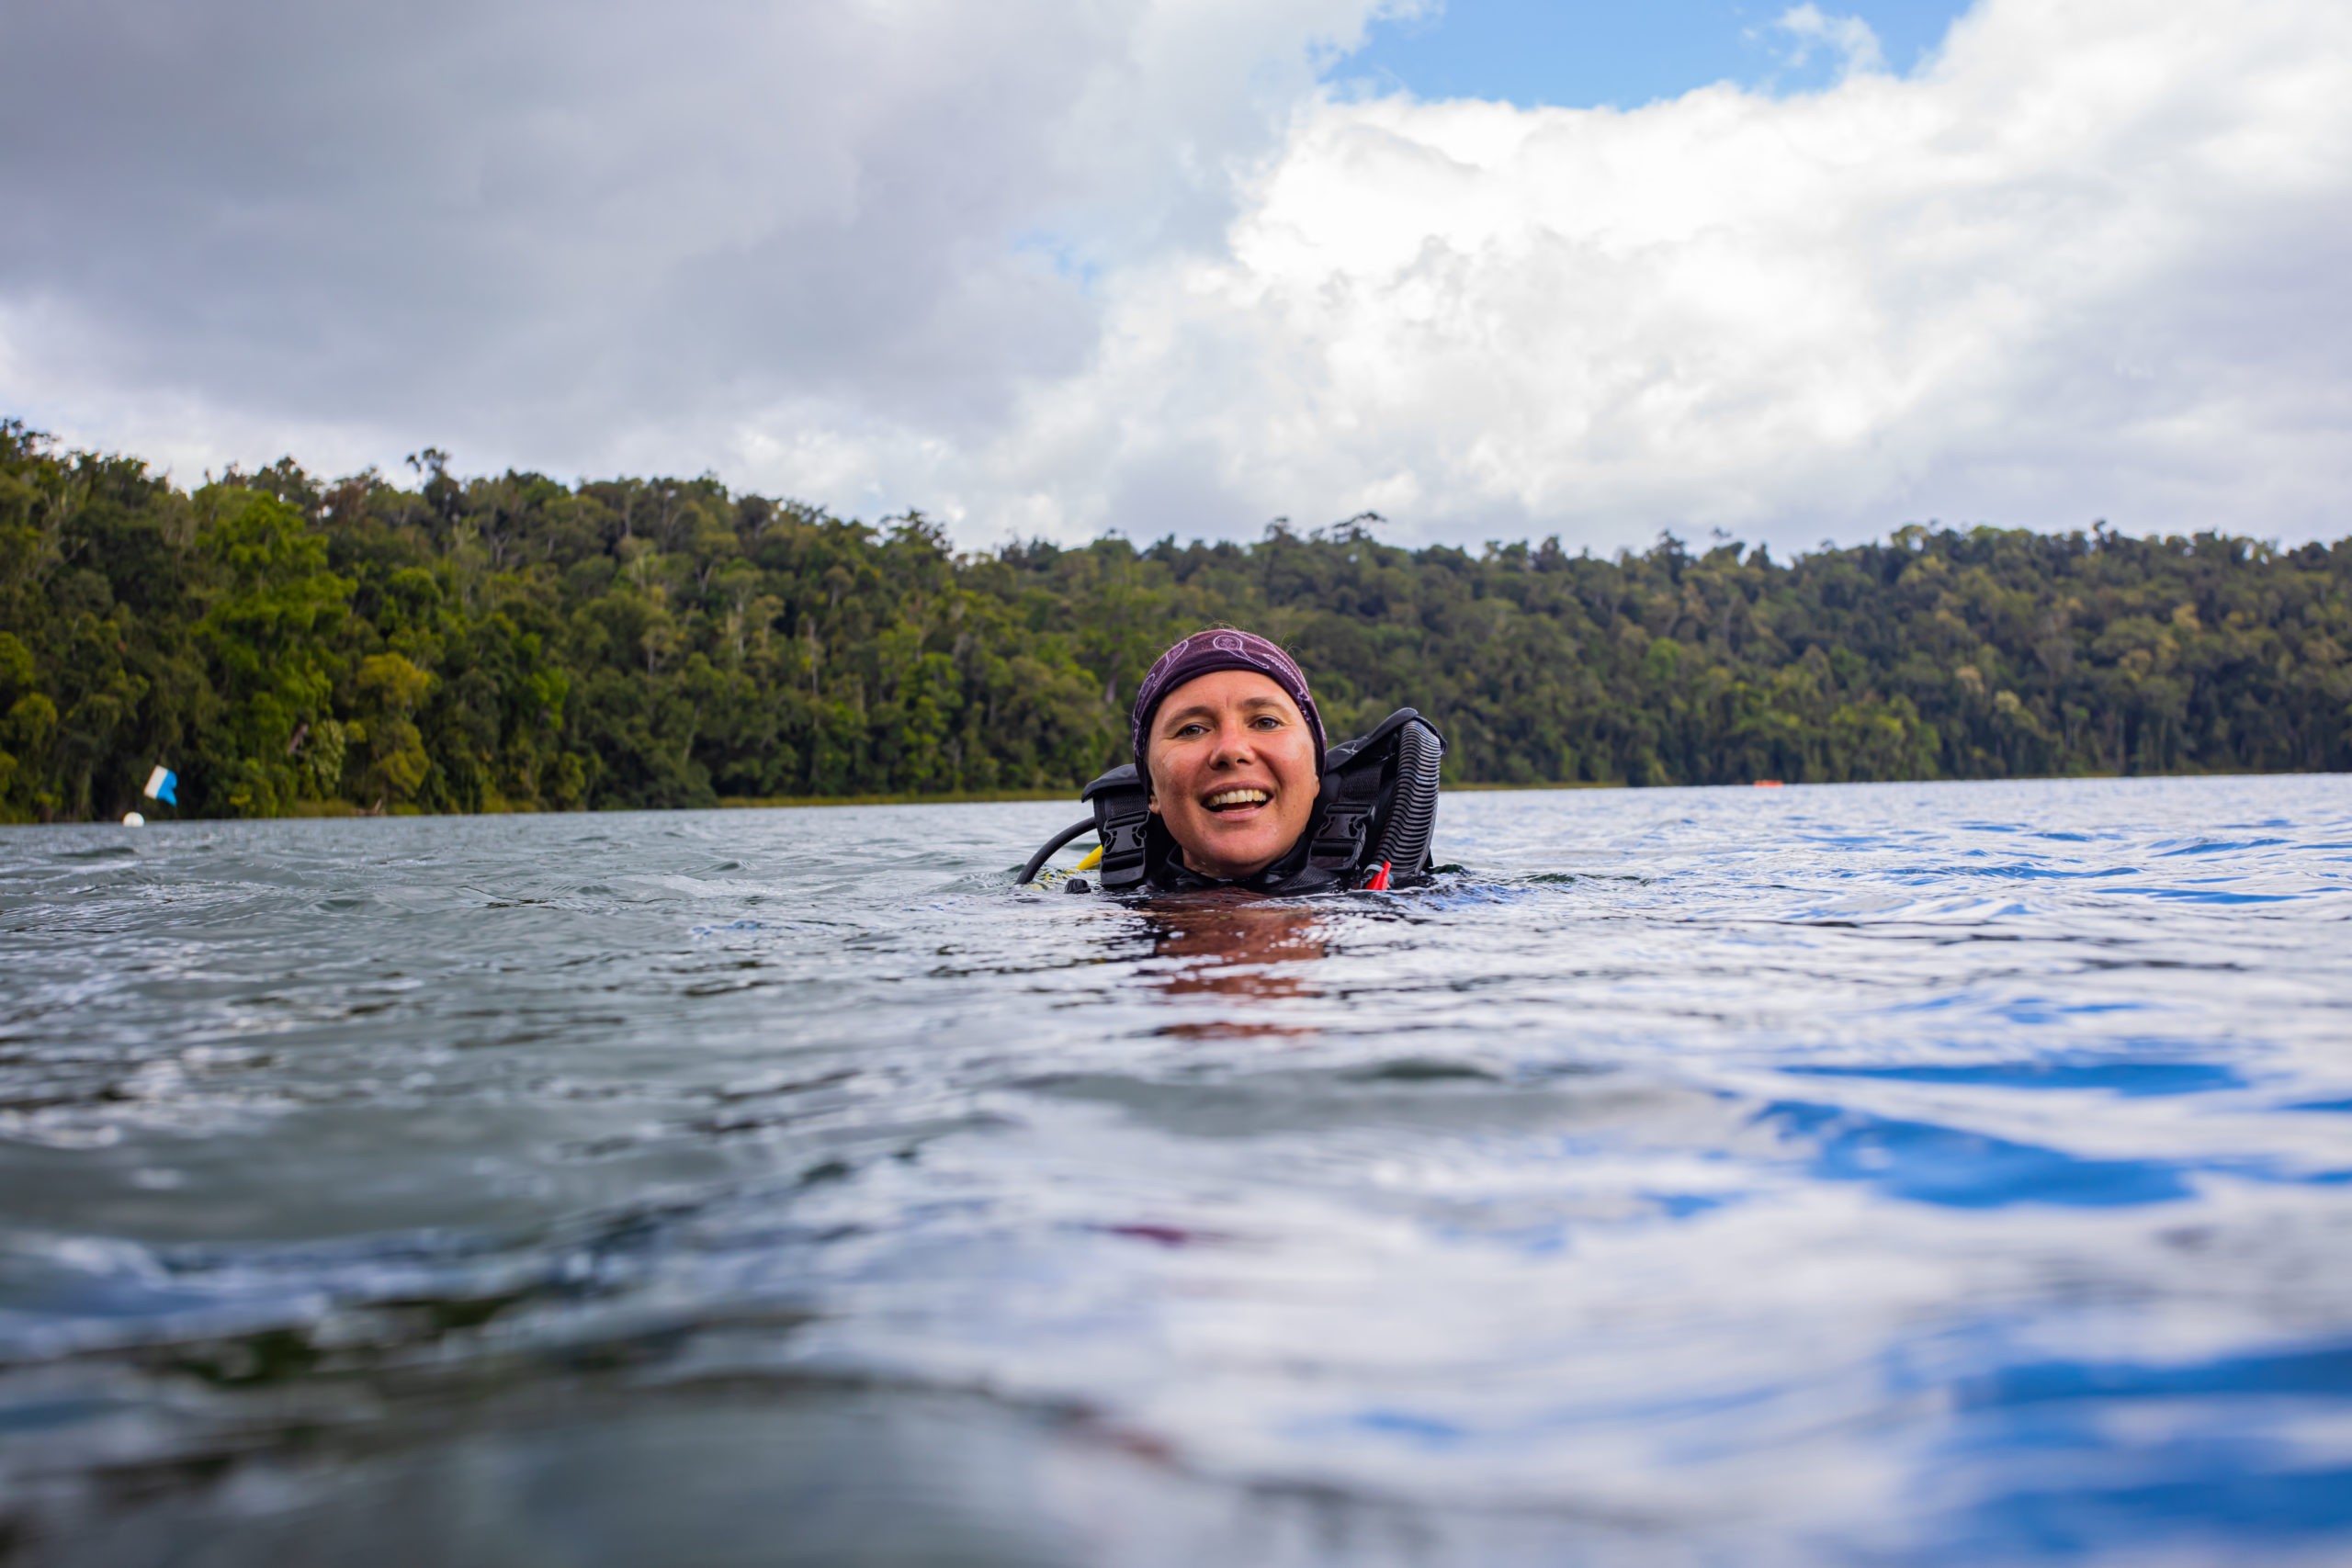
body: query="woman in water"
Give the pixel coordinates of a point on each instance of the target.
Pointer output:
(1230, 746)
(1233, 784)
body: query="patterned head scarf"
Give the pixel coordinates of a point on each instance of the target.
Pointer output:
(1205, 654)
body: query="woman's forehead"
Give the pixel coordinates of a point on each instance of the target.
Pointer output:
(1227, 688)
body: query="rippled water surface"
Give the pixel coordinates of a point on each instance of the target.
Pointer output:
(1949, 1173)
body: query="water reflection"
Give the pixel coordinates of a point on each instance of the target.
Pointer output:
(1233, 945)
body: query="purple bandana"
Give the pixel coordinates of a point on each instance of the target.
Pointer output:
(1205, 654)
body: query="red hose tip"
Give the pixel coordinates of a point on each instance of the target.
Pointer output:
(1379, 883)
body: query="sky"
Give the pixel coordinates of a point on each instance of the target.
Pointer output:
(1585, 55)
(1049, 268)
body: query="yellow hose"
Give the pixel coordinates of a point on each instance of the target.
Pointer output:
(1093, 858)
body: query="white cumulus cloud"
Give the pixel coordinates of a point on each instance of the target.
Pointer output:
(1056, 266)
(2084, 265)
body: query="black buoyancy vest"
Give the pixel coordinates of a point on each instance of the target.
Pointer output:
(1377, 805)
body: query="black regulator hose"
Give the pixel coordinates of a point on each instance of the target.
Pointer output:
(1044, 851)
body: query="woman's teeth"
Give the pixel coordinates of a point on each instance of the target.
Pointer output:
(1224, 800)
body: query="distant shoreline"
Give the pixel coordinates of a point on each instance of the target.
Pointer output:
(967, 797)
(343, 810)
(994, 796)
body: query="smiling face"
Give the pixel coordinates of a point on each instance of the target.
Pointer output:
(1233, 775)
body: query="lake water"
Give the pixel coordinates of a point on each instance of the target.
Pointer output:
(1935, 1173)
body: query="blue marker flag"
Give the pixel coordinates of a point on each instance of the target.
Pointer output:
(161, 784)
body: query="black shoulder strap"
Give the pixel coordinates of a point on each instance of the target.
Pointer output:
(1123, 821)
(1350, 793)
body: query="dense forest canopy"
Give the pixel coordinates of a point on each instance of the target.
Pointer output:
(515, 643)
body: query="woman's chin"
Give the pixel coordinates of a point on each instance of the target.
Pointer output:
(1241, 849)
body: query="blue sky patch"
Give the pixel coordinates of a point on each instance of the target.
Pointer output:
(1579, 54)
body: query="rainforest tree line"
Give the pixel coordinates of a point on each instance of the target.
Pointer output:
(515, 643)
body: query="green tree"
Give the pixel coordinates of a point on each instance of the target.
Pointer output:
(266, 633)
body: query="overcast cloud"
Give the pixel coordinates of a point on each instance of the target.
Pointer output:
(1052, 267)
